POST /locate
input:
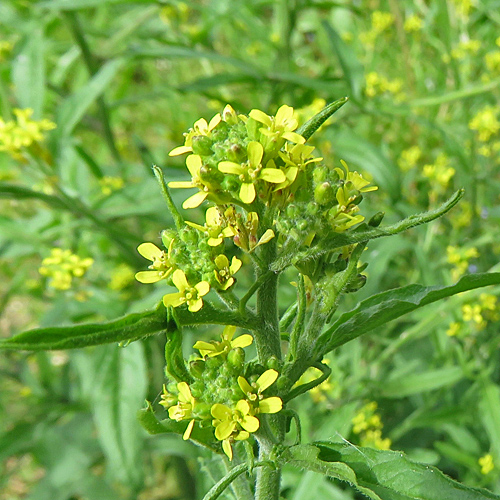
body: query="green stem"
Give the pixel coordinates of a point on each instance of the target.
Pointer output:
(178, 220)
(267, 486)
(258, 283)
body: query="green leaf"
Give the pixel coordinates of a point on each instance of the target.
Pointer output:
(118, 390)
(28, 71)
(84, 4)
(305, 456)
(308, 129)
(489, 408)
(417, 383)
(386, 306)
(13, 191)
(394, 477)
(72, 110)
(353, 69)
(126, 329)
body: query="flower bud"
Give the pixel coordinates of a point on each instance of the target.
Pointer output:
(376, 219)
(202, 145)
(324, 193)
(196, 368)
(312, 208)
(356, 284)
(320, 174)
(236, 357)
(274, 363)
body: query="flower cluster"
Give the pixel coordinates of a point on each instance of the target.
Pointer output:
(15, 135)
(62, 266)
(459, 258)
(368, 426)
(377, 84)
(225, 394)
(257, 173)
(380, 22)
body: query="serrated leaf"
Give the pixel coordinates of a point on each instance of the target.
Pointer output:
(394, 477)
(386, 306)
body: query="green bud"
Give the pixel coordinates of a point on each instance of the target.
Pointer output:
(302, 225)
(196, 368)
(312, 208)
(274, 363)
(356, 284)
(253, 127)
(320, 174)
(236, 153)
(376, 219)
(292, 211)
(167, 235)
(236, 357)
(324, 193)
(202, 145)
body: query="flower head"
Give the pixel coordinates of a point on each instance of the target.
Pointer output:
(183, 410)
(161, 265)
(212, 349)
(215, 227)
(254, 391)
(200, 128)
(191, 295)
(225, 271)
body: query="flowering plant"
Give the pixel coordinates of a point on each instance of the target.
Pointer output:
(273, 206)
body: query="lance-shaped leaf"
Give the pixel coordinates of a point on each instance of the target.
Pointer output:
(392, 476)
(126, 329)
(290, 254)
(386, 306)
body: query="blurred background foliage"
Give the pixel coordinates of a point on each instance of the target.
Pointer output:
(93, 92)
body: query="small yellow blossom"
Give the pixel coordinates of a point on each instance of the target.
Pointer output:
(200, 128)
(486, 463)
(121, 277)
(413, 23)
(463, 8)
(183, 410)
(161, 266)
(62, 266)
(376, 84)
(486, 123)
(5, 49)
(439, 171)
(368, 425)
(254, 391)
(381, 20)
(465, 48)
(409, 158)
(15, 135)
(454, 329)
(492, 61)
(225, 271)
(110, 184)
(187, 294)
(488, 301)
(472, 313)
(214, 348)
(215, 227)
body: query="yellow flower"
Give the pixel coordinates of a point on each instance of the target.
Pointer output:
(213, 348)
(183, 410)
(486, 463)
(381, 20)
(409, 158)
(252, 171)
(413, 23)
(472, 313)
(61, 266)
(236, 423)
(191, 295)
(214, 227)
(224, 272)
(200, 128)
(110, 184)
(194, 164)
(161, 266)
(355, 179)
(486, 123)
(254, 392)
(246, 236)
(453, 329)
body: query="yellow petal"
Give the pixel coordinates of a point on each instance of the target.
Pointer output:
(260, 117)
(245, 386)
(196, 200)
(229, 167)
(173, 299)
(184, 392)
(226, 446)
(214, 242)
(247, 193)
(193, 163)
(228, 332)
(196, 226)
(242, 341)
(214, 121)
(224, 429)
(203, 288)
(293, 137)
(249, 423)
(227, 284)
(181, 184)
(212, 216)
(149, 251)
(179, 279)
(221, 261)
(266, 379)
(267, 236)
(273, 175)
(284, 113)
(270, 405)
(235, 265)
(255, 153)
(150, 276)
(180, 150)
(195, 305)
(187, 432)
(220, 412)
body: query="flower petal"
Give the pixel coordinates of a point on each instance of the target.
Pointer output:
(181, 184)
(249, 423)
(244, 385)
(226, 446)
(247, 193)
(235, 265)
(273, 175)
(180, 151)
(150, 276)
(193, 163)
(214, 121)
(229, 167)
(189, 429)
(220, 412)
(242, 341)
(196, 200)
(174, 299)
(203, 288)
(255, 153)
(195, 305)
(149, 251)
(180, 280)
(266, 379)
(221, 261)
(260, 116)
(270, 405)
(224, 429)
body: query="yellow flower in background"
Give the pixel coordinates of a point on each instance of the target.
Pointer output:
(214, 348)
(121, 277)
(492, 61)
(440, 171)
(473, 313)
(463, 8)
(187, 294)
(161, 266)
(62, 266)
(110, 184)
(465, 48)
(409, 158)
(413, 23)
(368, 425)
(376, 84)
(485, 122)
(486, 463)
(460, 257)
(5, 49)
(21, 133)
(454, 329)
